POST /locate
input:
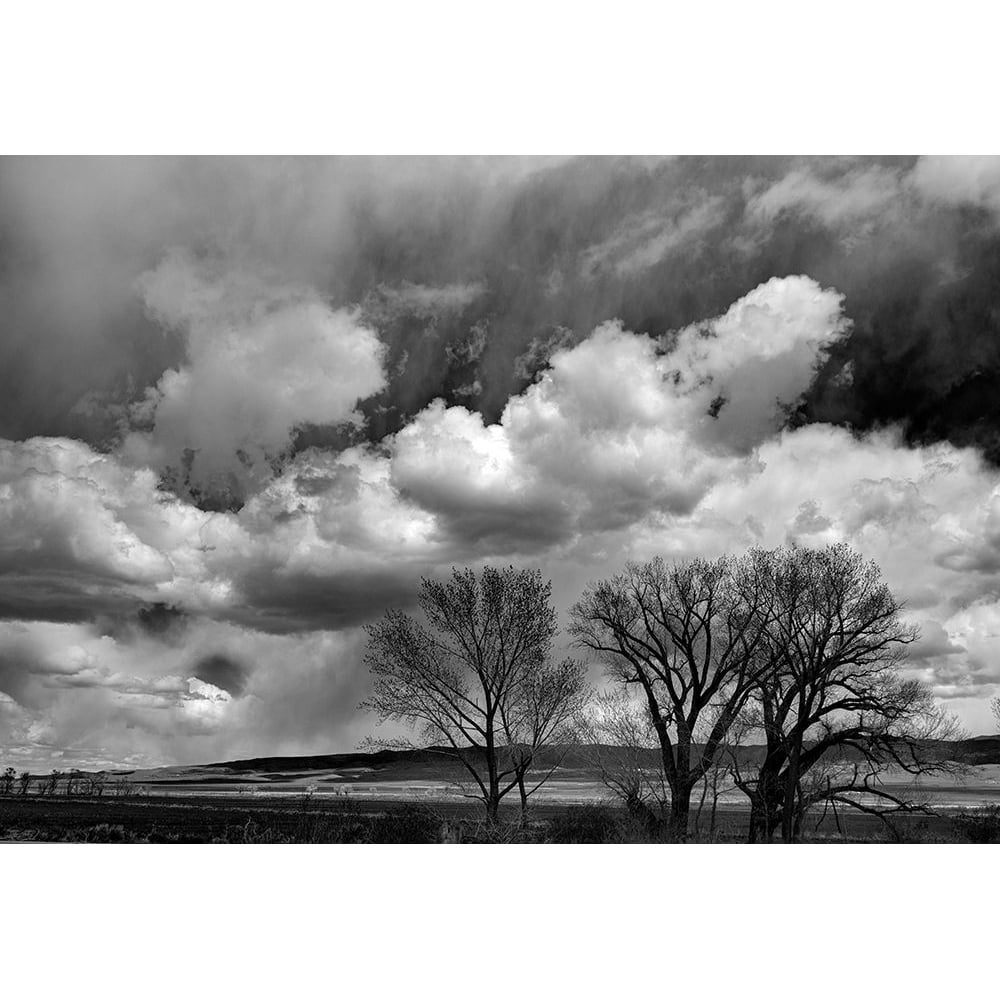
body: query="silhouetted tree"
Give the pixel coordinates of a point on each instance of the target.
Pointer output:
(24, 781)
(124, 788)
(466, 668)
(834, 694)
(95, 783)
(7, 779)
(617, 738)
(537, 723)
(686, 636)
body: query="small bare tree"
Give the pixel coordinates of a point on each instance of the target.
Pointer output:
(24, 782)
(465, 669)
(95, 783)
(615, 736)
(124, 787)
(538, 723)
(725, 764)
(7, 779)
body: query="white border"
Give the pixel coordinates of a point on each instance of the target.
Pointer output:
(212, 77)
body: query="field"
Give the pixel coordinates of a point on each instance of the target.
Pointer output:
(414, 797)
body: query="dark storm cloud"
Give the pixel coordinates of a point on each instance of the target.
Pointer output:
(288, 604)
(62, 597)
(469, 268)
(266, 339)
(161, 620)
(223, 672)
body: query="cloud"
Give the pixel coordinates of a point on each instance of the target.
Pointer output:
(837, 199)
(263, 358)
(578, 451)
(646, 240)
(222, 672)
(432, 248)
(325, 455)
(69, 690)
(924, 514)
(85, 534)
(957, 180)
(425, 301)
(332, 537)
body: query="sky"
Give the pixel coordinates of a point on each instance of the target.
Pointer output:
(245, 404)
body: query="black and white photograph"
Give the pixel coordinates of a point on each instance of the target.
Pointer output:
(610, 517)
(657, 504)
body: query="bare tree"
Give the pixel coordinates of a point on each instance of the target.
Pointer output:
(834, 692)
(724, 765)
(687, 636)
(24, 781)
(538, 723)
(464, 670)
(615, 735)
(124, 787)
(95, 783)
(7, 779)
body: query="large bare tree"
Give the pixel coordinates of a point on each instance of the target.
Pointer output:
(688, 637)
(468, 674)
(834, 710)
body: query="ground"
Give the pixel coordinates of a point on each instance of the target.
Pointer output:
(406, 801)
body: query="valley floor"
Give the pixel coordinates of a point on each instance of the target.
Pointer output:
(287, 818)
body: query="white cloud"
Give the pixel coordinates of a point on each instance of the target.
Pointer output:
(263, 358)
(620, 427)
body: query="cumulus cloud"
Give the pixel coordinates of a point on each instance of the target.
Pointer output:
(262, 359)
(321, 428)
(620, 425)
(86, 534)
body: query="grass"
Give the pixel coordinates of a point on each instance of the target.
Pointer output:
(304, 819)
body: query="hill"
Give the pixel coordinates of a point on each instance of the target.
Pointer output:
(442, 764)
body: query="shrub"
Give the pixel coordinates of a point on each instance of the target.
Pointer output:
(979, 826)
(589, 824)
(407, 825)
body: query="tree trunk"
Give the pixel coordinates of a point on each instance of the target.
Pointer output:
(758, 822)
(715, 804)
(791, 796)
(765, 805)
(492, 806)
(680, 807)
(493, 783)
(524, 800)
